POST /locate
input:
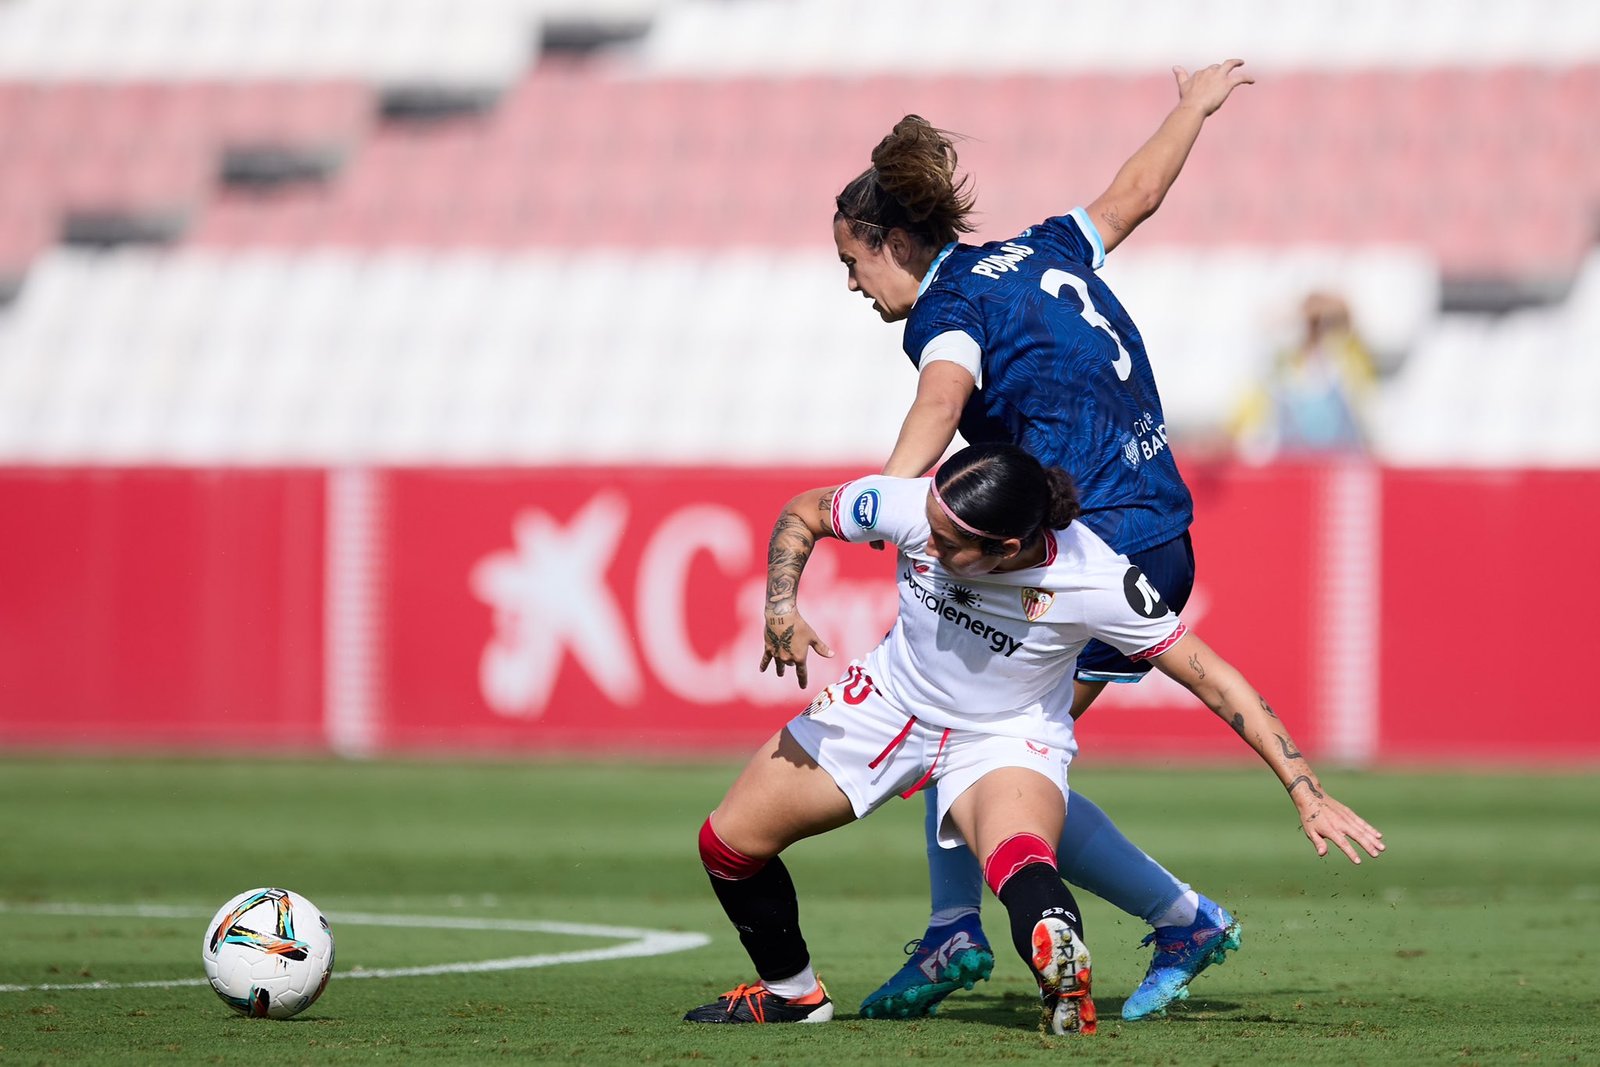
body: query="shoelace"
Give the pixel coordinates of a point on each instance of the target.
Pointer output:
(1171, 947)
(755, 996)
(747, 994)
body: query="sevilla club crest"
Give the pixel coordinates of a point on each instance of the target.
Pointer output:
(1035, 602)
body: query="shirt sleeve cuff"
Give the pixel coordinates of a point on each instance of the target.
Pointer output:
(959, 348)
(1155, 650)
(1092, 232)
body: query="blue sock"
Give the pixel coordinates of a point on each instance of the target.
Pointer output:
(955, 880)
(1094, 855)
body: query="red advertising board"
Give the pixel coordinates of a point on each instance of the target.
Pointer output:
(161, 607)
(595, 609)
(622, 610)
(1489, 578)
(1391, 615)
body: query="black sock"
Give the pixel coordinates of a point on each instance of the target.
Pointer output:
(1034, 893)
(766, 912)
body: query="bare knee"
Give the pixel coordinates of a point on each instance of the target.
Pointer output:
(780, 797)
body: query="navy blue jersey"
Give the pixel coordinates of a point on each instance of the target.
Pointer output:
(1062, 372)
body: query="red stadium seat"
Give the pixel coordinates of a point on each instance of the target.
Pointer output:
(575, 153)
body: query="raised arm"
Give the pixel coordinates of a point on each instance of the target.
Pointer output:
(1142, 182)
(942, 391)
(1221, 687)
(788, 637)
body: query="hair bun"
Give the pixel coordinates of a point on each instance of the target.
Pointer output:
(916, 165)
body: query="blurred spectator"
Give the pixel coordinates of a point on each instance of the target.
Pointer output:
(1314, 400)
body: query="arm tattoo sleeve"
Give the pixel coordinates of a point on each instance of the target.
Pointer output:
(1289, 749)
(787, 553)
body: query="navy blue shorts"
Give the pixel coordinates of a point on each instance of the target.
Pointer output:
(1170, 568)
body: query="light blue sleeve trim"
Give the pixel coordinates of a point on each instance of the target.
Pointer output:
(933, 268)
(1081, 217)
(1107, 676)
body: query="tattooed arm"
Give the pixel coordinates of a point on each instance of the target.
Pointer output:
(1143, 181)
(788, 637)
(1221, 687)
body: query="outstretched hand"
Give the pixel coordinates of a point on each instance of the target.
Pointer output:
(1208, 87)
(1326, 821)
(789, 638)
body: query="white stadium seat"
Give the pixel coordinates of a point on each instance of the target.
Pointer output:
(753, 357)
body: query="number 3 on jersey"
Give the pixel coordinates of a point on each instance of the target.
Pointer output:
(1052, 281)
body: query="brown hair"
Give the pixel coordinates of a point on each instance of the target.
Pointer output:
(911, 186)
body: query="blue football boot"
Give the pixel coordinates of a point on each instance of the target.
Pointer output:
(1182, 952)
(946, 958)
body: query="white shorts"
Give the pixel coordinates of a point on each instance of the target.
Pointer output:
(851, 726)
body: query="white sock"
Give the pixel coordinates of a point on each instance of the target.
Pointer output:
(797, 986)
(946, 916)
(1182, 912)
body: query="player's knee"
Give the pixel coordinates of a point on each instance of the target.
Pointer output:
(723, 861)
(1011, 856)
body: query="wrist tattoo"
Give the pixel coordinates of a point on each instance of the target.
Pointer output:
(1305, 780)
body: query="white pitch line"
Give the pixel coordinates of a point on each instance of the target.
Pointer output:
(641, 942)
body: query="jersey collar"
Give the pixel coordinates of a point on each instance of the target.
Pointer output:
(933, 269)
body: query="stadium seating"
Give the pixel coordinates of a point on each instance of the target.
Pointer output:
(1517, 389)
(1136, 35)
(391, 42)
(570, 159)
(288, 265)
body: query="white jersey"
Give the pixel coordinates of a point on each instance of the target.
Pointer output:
(992, 653)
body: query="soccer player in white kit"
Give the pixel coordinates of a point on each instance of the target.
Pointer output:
(999, 590)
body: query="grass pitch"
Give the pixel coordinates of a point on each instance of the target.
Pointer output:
(1471, 941)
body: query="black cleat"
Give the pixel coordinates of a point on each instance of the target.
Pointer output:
(758, 1004)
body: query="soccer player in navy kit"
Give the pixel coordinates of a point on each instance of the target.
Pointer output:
(1021, 341)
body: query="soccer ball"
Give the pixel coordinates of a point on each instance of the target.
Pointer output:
(268, 953)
